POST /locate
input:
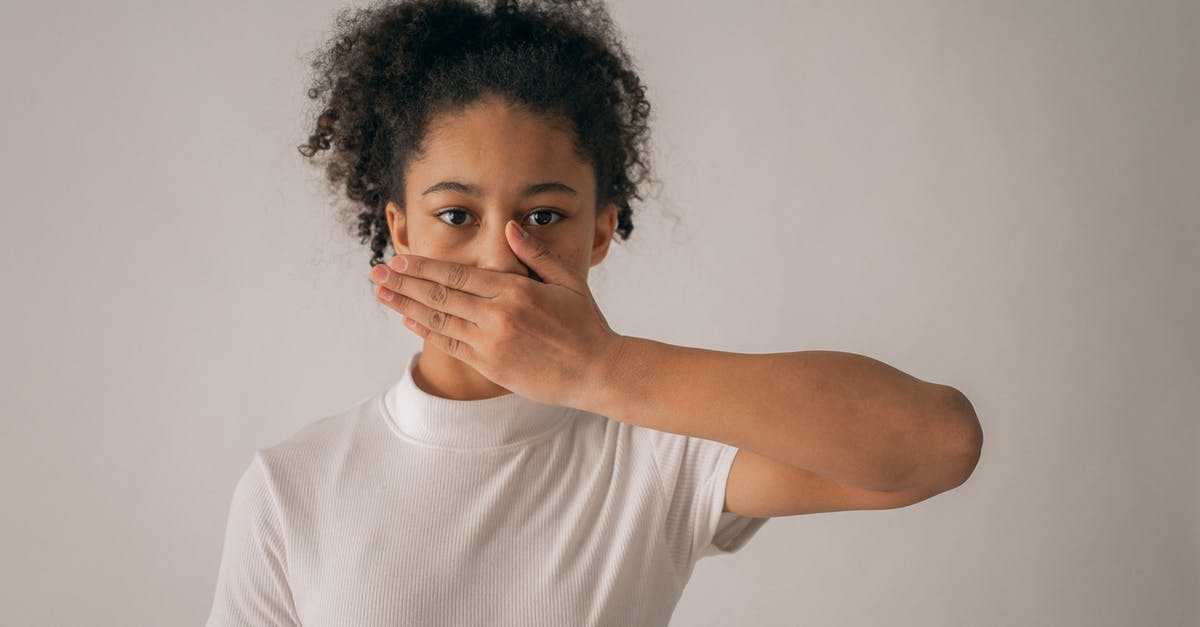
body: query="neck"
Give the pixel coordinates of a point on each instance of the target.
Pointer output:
(440, 374)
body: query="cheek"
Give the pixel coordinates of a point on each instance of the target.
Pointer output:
(578, 260)
(436, 243)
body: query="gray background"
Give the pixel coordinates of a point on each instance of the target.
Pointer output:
(998, 196)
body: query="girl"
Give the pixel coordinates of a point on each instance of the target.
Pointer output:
(531, 466)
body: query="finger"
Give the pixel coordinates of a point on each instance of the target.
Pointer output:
(468, 279)
(416, 327)
(432, 319)
(448, 344)
(433, 295)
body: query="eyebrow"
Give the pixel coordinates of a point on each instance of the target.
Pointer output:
(472, 190)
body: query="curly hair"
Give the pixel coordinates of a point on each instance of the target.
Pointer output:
(390, 68)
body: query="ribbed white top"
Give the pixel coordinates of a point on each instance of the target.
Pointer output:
(498, 421)
(412, 509)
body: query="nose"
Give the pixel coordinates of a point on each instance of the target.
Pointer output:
(494, 253)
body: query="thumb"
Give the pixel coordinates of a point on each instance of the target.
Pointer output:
(538, 256)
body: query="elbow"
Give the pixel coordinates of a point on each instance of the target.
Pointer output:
(959, 441)
(950, 447)
(967, 442)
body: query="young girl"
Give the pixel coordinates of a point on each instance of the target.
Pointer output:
(531, 466)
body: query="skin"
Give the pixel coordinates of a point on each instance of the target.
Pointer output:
(816, 430)
(499, 148)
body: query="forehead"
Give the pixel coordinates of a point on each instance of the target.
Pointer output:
(496, 143)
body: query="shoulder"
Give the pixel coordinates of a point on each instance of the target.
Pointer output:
(681, 452)
(681, 462)
(320, 443)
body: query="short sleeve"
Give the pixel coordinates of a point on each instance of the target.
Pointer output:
(252, 587)
(694, 472)
(730, 531)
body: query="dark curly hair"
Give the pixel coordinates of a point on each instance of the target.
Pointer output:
(390, 68)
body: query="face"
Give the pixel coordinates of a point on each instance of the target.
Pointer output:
(486, 165)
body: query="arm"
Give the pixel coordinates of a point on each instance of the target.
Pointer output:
(252, 587)
(844, 416)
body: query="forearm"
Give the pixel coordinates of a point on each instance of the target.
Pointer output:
(845, 416)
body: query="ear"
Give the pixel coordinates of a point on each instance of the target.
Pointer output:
(606, 224)
(397, 227)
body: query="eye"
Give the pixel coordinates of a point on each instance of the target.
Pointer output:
(452, 211)
(546, 219)
(546, 212)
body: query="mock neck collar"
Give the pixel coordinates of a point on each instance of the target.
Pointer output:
(504, 420)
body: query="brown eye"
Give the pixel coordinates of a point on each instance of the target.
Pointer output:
(453, 211)
(548, 215)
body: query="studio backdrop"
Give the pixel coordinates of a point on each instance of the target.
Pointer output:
(997, 196)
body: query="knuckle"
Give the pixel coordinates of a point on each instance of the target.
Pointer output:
(458, 276)
(437, 320)
(504, 321)
(437, 293)
(524, 296)
(417, 265)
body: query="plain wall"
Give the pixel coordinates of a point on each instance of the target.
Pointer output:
(999, 196)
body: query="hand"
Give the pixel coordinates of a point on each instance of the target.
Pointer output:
(544, 341)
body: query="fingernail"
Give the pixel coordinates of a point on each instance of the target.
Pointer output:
(379, 273)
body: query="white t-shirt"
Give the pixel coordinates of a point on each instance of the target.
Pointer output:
(413, 509)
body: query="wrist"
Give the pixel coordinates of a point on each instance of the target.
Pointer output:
(604, 376)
